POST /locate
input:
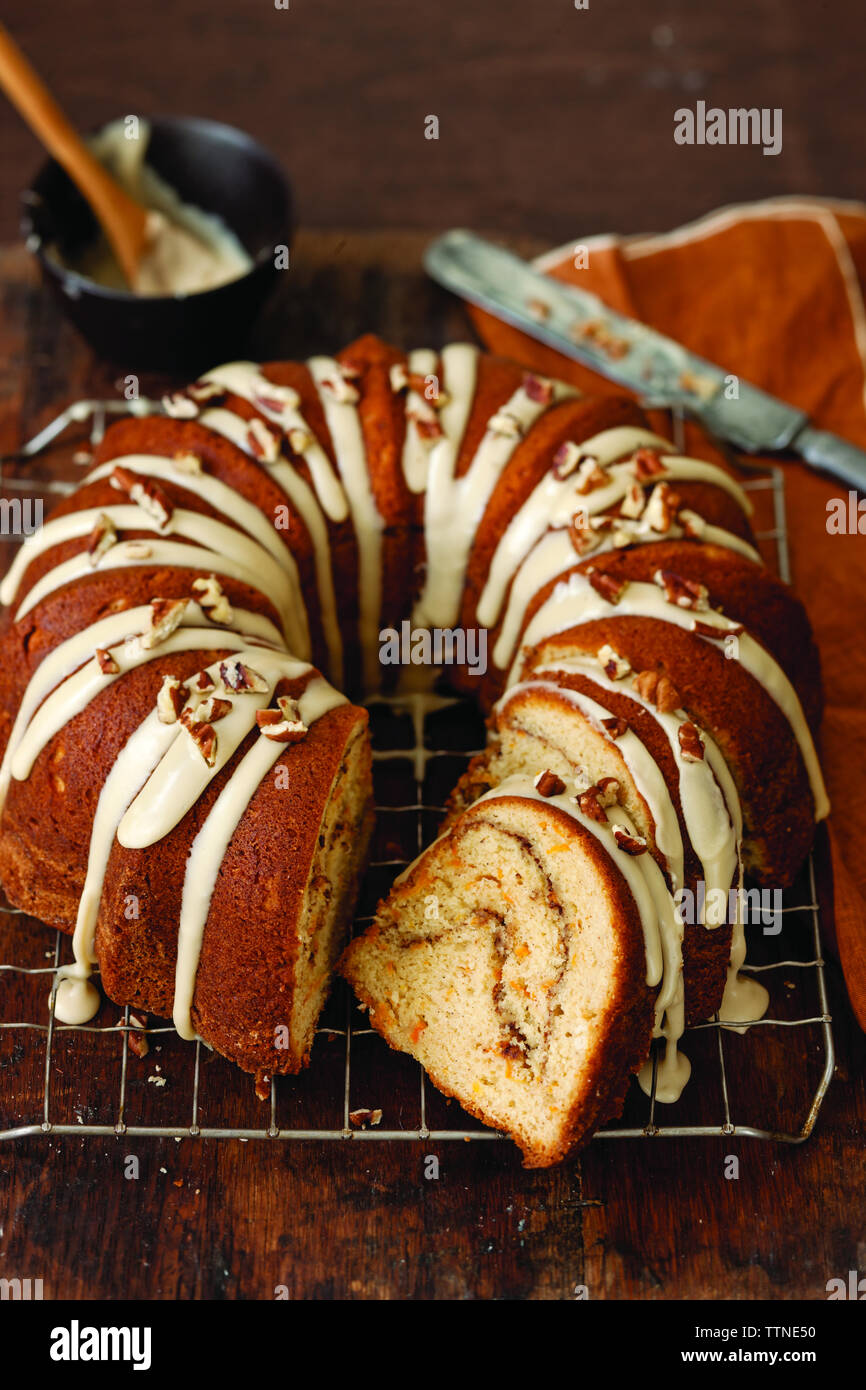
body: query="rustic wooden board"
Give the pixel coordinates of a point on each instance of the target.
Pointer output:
(649, 1218)
(552, 119)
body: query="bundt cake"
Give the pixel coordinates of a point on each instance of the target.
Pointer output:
(187, 794)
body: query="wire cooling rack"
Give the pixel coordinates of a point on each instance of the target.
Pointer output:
(89, 1080)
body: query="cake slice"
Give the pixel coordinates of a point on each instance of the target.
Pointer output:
(511, 960)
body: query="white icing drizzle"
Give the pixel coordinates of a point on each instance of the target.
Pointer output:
(176, 555)
(708, 794)
(306, 503)
(554, 501)
(714, 821)
(182, 774)
(644, 770)
(416, 450)
(213, 839)
(662, 927)
(77, 650)
(575, 601)
(744, 999)
(75, 994)
(444, 572)
(554, 555)
(157, 777)
(278, 584)
(212, 490)
(344, 424)
(77, 691)
(280, 404)
(454, 506)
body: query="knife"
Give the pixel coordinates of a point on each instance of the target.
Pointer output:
(662, 372)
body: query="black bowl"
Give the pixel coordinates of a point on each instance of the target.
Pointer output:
(212, 166)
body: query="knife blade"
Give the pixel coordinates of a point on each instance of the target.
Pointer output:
(663, 372)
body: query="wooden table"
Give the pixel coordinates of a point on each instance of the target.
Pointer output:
(648, 1218)
(552, 120)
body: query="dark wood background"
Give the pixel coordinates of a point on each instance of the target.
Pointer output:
(553, 122)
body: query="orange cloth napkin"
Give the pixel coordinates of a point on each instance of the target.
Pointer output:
(773, 291)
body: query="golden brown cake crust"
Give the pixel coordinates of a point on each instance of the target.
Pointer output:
(250, 946)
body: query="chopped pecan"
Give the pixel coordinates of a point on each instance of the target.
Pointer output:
(633, 502)
(166, 614)
(210, 596)
(170, 700)
(590, 475)
(180, 406)
(263, 442)
(614, 665)
(538, 388)
(590, 805)
(661, 508)
(207, 711)
(202, 683)
(363, 1117)
(718, 634)
(426, 423)
(607, 789)
(647, 463)
(616, 726)
(107, 664)
(684, 593)
(340, 387)
(623, 535)
(236, 676)
(659, 690)
(209, 391)
(205, 739)
(506, 424)
(136, 1039)
(627, 842)
(146, 493)
(691, 742)
(667, 697)
(565, 460)
(283, 725)
(581, 534)
(276, 399)
(102, 538)
(594, 798)
(607, 585)
(548, 784)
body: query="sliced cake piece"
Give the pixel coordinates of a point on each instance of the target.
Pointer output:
(513, 960)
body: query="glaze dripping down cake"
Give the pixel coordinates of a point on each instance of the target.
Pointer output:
(187, 793)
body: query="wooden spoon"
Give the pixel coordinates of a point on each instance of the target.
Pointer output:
(121, 217)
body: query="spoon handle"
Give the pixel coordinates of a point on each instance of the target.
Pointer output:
(123, 220)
